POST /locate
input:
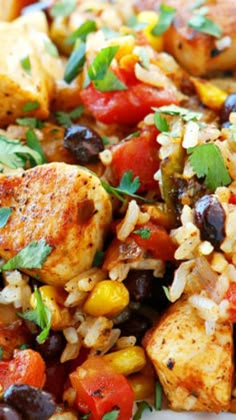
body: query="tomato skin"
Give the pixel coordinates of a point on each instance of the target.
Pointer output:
(232, 199)
(159, 243)
(100, 389)
(26, 367)
(126, 107)
(139, 155)
(231, 296)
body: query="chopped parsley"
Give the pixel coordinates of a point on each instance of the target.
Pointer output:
(81, 32)
(158, 396)
(65, 118)
(111, 415)
(30, 122)
(127, 186)
(207, 161)
(63, 8)
(201, 23)
(34, 144)
(5, 213)
(32, 256)
(141, 407)
(145, 233)
(184, 113)
(31, 106)
(15, 155)
(166, 17)
(51, 48)
(161, 122)
(75, 62)
(40, 316)
(25, 64)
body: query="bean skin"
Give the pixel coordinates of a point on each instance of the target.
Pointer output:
(52, 347)
(84, 143)
(228, 106)
(9, 413)
(139, 284)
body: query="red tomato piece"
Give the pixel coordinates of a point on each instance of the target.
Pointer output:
(231, 296)
(100, 390)
(232, 199)
(26, 367)
(139, 155)
(126, 107)
(159, 243)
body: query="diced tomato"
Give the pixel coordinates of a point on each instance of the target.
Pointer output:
(26, 367)
(100, 390)
(232, 199)
(231, 296)
(139, 155)
(126, 107)
(159, 243)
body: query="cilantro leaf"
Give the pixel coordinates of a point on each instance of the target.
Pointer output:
(63, 8)
(81, 32)
(40, 316)
(203, 24)
(184, 113)
(166, 16)
(161, 122)
(51, 48)
(5, 213)
(25, 64)
(111, 415)
(14, 154)
(65, 118)
(206, 160)
(30, 122)
(75, 63)
(109, 83)
(133, 23)
(32, 256)
(145, 233)
(31, 106)
(158, 396)
(34, 144)
(142, 406)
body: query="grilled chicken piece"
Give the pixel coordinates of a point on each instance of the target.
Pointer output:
(195, 368)
(195, 51)
(64, 204)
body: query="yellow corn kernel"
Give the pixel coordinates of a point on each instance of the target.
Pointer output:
(128, 61)
(53, 298)
(151, 18)
(126, 361)
(142, 385)
(209, 94)
(107, 298)
(126, 45)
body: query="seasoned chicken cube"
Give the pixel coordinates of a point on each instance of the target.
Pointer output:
(64, 204)
(195, 368)
(10, 9)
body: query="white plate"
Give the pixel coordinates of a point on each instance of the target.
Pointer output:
(171, 415)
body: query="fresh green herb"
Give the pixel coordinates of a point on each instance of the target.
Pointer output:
(1, 353)
(201, 23)
(32, 256)
(105, 140)
(63, 8)
(31, 106)
(206, 160)
(81, 32)
(197, 4)
(161, 122)
(141, 407)
(24, 346)
(130, 136)
(103, 78)
(51, 48)
(65, 118)
(158, 396)
(133, 23)
(14, 154)
(166, 17)
(5, 213)
(127, 186)
(166, 291)
(40, 316)
(85, 416)
(145, 233)
(34, 144)
(75, 63)
(109, 33)
(25, 64)
(30, 122)
(112, 415)
(184, 113)
(98, 258)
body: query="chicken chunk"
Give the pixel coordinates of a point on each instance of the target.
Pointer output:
(195, 368)
(10, 9)
(64, 204)
(197, 52)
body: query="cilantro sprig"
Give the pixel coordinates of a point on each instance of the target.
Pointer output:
(40, 316)
(166, 16)
(201, 23)
(161, 123)
(65, 118)
(207, 161)
(15, 155)
(184, 113)
(144, 233)
(127, 186)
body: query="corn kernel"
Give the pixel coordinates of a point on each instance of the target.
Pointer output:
(128, 61)
(126, 361)
(142, 385)
(209, 94)
(108, 298)
(151, 18)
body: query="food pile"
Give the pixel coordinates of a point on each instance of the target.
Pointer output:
(118, 208)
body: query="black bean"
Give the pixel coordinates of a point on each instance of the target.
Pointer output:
(228, 106)
(31, 402)
(139, 284)
(52, 347)
(210, 219)
(83, 142)
(9, 413)
(137, 325)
